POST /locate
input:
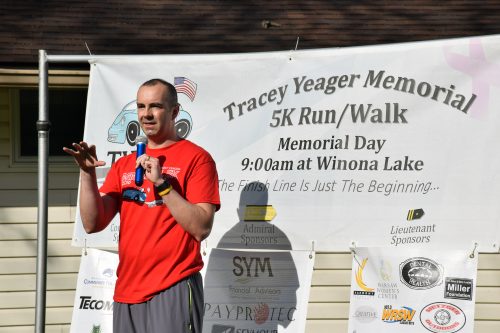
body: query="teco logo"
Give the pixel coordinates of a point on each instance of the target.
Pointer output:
(87, 303)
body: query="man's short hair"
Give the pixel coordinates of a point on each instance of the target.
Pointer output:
(171, 91)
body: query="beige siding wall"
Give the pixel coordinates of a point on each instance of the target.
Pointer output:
(329, 301)
(18, 238)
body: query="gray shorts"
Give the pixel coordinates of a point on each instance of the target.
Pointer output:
(177, 309)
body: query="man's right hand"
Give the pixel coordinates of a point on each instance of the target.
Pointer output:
(85, 156)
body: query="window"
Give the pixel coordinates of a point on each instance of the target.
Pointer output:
(67, 104)
(66, 115)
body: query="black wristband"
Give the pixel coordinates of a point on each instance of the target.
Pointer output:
(163, 186)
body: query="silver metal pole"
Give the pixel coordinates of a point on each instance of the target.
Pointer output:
(43, 127)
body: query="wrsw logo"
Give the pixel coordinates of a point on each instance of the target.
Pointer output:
(403, 316)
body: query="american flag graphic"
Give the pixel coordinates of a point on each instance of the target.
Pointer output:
(185, 86)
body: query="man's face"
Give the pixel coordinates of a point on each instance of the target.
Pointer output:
(155, 113)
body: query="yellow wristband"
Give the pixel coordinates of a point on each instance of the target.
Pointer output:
(165, 191)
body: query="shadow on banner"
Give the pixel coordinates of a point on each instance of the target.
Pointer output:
(251, 277)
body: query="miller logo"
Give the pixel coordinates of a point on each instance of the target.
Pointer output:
(458, 288)
(420, 273)
(367, 291)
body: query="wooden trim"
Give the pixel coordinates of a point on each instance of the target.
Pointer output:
(57, 78)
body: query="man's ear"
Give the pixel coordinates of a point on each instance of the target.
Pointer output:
(175, 111)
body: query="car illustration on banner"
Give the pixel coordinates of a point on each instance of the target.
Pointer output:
(126, 126)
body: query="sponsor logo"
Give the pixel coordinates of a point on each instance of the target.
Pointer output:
(402, 316)
(442, 317)
(99, 282)
(458, 288)
(415, 214)
(388, 288)
(222, 329)
(247, 268)
(96, 329)
(365, 314)
(258, 313)
(420, 273)
(261, 312)
(244, 292)
(385, 270)
(87, 303)
(365, 290)
(108, 272)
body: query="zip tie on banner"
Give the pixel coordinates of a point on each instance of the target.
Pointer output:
(85, 246)
(353, 247)
(88, 49)
(312, 250)
(472, 255)
(353, 251)
(296, 46)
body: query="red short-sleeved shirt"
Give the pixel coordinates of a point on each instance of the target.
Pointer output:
(155, 252)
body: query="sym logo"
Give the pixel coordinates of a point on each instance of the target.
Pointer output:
(252, 266)
(420, 273)
(126, 126)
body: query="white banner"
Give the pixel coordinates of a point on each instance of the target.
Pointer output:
(412, 289)
(256, 291)
(93, 309)
(392, 145)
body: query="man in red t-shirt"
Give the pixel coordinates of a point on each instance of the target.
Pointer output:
(162, 222)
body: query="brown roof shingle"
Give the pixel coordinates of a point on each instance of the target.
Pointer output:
(177, 27)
